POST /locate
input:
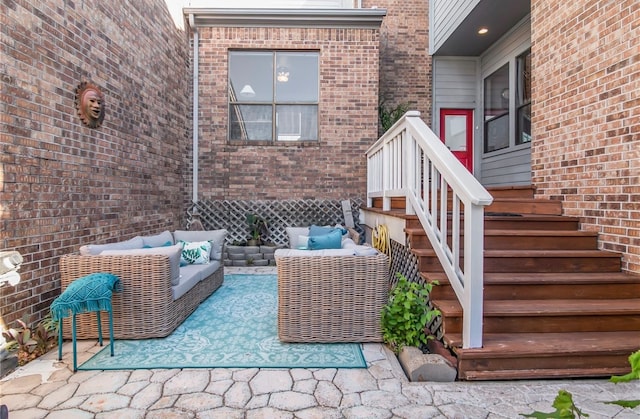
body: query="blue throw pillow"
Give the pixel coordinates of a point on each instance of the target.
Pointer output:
(332, 240)
(166, 244)
(315, 230)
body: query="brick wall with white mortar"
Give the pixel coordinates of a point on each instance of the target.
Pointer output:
(63, 184)
(586, 116)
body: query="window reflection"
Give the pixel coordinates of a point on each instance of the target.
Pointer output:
(496, 110)
(302, 81)
(523, 131)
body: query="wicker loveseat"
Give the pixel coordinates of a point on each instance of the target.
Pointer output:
(154, 300)
(324, 298)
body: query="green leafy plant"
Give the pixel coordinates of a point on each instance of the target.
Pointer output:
(258, 228)
(634, 361)
(20, 338)
(406, 315)
(29, 343)
(390, 115)
(46, 333)
(565, 408)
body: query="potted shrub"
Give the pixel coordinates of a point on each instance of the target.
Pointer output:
(258, 229)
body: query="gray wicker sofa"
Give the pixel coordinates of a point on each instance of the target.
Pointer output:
(332, 295)
(157, 293)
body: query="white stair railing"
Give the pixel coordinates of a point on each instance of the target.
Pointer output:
(410, 161)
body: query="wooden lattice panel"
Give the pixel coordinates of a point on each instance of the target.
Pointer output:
(231, 215)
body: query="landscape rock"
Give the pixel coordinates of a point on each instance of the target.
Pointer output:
(426, 367)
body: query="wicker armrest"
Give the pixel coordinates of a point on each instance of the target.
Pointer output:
(332, 298)
(144, 306)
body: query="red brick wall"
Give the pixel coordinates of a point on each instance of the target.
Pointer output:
(405, 63)
(332, 168)
(63, 184)
(586, 116)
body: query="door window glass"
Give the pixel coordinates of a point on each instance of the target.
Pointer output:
(455, 132)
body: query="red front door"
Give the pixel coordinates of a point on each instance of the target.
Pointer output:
(456, 132)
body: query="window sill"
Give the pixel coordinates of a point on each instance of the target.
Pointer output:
(300, 144)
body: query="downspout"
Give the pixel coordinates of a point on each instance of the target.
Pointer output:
(196, 41)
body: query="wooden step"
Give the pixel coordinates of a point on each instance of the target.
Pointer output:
(551, 261)
(509, 222)
(532, 261)
(525, 206)
(518, 191)
(540, 239)
(549, 285)
(537, 316)
(520, 239)
(554, 305)
(546, 355)
(396, 203)
(530, 222)
(509, 201)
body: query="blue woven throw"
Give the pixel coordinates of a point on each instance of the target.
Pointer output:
(89, 293)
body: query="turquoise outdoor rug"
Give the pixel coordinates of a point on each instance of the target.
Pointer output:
(235, 327)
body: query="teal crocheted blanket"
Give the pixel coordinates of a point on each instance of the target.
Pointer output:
(89, 293)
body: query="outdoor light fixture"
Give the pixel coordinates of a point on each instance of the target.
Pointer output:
(9, 264)
(283, 74)
(247, 91)
(483, 31)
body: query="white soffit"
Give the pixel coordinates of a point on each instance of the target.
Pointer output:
(283, 18)
(271, 4)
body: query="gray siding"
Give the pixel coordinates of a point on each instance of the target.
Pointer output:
(444, 17)
(454, 85)
(512, 168)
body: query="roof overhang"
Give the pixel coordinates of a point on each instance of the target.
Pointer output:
(285, 18)
(498, 16)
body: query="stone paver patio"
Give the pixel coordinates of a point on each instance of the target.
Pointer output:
(46, 388)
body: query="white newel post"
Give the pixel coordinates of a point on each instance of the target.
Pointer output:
(473, 277)
(386, 176)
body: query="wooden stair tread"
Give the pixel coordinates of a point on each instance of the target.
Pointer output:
(520, 278)
(543, 233)
(536, 217)
(535, 253)
(559, 307)
(394, 212)
(424, 252)
(497, 232)
(525, 199)
(499, 345)
(525, 206)
(489, 216)
(401, 213)
(500, 192)
(550, 253)
(539, 374)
